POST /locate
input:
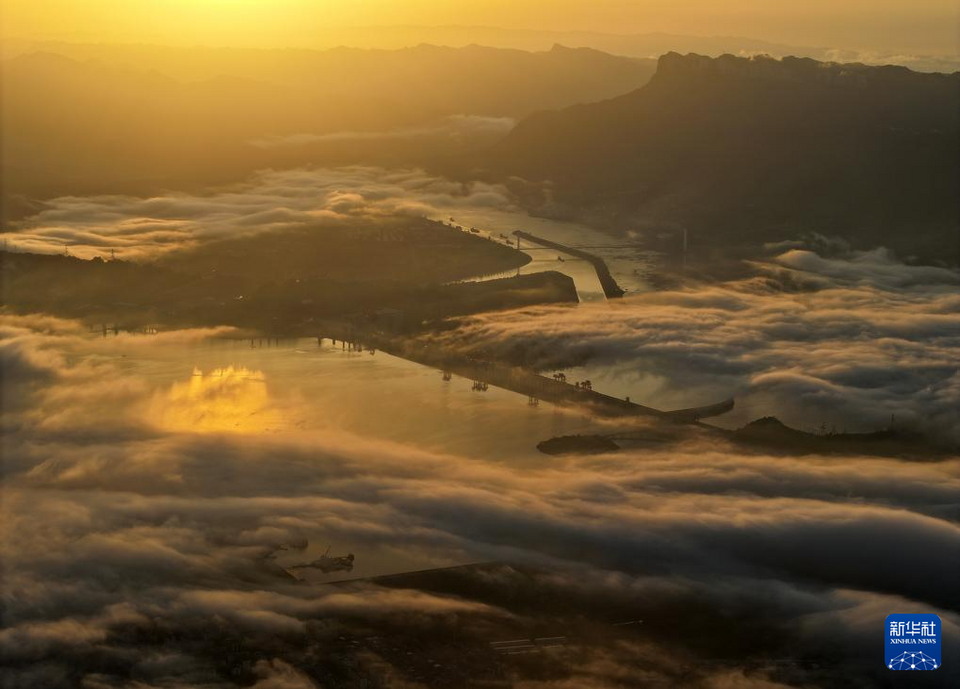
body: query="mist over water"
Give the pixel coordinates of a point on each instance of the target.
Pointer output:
(145, 228)
(261, 387)
(688, 348)
(202, 488)
(628, 262)
(175, 463)
(305, 386)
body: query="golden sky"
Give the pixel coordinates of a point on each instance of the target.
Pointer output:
(916, 25)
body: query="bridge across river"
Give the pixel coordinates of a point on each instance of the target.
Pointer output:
(610, 287)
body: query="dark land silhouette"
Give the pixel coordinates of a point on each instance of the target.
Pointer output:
(742, 151)
(283, 282)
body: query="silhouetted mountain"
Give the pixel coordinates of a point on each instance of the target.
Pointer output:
(755, 149)
(195, 62)
(104, 125)
(772, 435)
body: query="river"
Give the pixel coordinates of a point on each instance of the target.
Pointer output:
(301, 389)
(627, 263)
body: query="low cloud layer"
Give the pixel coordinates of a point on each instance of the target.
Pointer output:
(850, 342)
(921, 63)
(136, 227)
(453, 127)
(120, 532)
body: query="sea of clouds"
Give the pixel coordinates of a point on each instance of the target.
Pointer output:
(123, 521)
(142, 227)
(117, 527)
(850, 341)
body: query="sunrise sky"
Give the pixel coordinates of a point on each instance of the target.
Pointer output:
(929, 26)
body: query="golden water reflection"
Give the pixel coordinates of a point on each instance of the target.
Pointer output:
(224, 400)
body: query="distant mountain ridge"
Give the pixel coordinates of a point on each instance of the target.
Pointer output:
(757, 149)
(133, 121)
(796, 69)
(644, 45)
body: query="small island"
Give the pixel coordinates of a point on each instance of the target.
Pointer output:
(577, 445)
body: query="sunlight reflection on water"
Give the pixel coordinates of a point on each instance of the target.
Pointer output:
(298, 385)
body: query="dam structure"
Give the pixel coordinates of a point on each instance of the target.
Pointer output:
(610, 287)
(515, 378)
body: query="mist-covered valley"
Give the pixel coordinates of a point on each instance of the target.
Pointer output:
(492, 365)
